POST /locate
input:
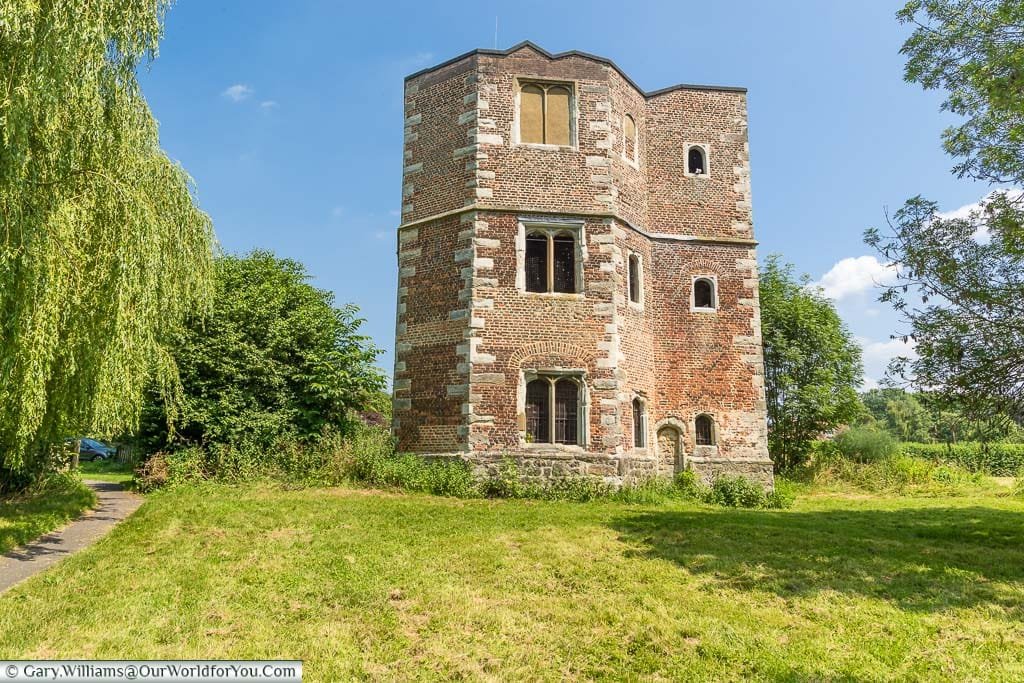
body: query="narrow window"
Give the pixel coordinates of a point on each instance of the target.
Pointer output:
(564, 258)
(703, 293)
(556, 116)
(629, 135)
(704, 430)
(639, 424)
(695, 162)
(566, 411)
(545, 114)
(538, 420)
(531, 114)
(536, 263)
(634, 278)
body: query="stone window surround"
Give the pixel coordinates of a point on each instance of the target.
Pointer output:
(713, 279)
(551, 227)
(635, 160)
(578, 376)
(574, 113)
(705, 150)
(638, 305)
(645, 423)
(706, 448)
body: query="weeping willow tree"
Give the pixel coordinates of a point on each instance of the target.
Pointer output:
(102, 248)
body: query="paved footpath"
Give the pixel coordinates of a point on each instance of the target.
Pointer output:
(114, 505)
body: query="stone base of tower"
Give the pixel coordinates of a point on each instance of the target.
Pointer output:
(543, 465)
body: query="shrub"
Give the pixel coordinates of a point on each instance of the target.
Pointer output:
(865, 444)
(997, 459)
(899, 474)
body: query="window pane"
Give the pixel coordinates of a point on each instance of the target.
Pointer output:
(696, 160)
(566, 415)
(630, 135)
(557, 117)
(565, 264)
(703, 431)
(638, 423)
(538, 415)
(634, 279)
(531, 114)
(536, 263)
(703, 294)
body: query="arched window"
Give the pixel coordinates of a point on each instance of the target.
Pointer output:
(629, 138)
(553, 410)
(567, 403)
(545, 114)
(704, 293)
(563, 275)
(634, 278)
(639, 424)
(704, 430)
(550, 262)
(696, 161)
(536, 262)
(538, 415)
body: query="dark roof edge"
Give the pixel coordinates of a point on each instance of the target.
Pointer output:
(575, 53)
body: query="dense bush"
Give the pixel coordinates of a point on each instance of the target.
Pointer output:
(898, 474)
(997, 459)
(865, 444)
(273, 362)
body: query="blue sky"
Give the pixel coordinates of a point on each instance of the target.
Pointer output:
(288, 115)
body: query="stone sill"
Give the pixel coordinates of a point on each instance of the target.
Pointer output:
(546, 147)
(564, 296)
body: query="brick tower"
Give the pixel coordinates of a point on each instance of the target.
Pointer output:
(577, 275)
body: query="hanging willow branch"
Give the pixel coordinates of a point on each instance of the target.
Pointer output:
(102, 248)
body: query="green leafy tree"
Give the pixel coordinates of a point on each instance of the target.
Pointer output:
(812, 365)
(961, 280)
(273, 360)
(103, 250)
(909, 420)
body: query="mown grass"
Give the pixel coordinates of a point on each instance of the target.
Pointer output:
(377, 585)
(107, 470)
(46, 507)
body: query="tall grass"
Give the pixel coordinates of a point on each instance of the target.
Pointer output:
(367, 456)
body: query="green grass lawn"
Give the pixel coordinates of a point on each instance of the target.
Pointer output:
(364, 584)
(24, 518)
(106, 470)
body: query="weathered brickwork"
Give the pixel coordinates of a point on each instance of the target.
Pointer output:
(468, 334)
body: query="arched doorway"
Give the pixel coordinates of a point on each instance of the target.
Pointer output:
(670, 454)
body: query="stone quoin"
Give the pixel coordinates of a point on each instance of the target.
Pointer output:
(578, 286)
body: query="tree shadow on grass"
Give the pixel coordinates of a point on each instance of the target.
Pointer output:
(924, 559)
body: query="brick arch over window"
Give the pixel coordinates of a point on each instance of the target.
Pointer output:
(702, 266)
(568, 355)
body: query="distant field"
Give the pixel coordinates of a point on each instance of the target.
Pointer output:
(26, 517)
(381, 585)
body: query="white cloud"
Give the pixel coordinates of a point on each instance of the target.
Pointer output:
(854, 275)
(967, 210)
(877, 354)
(268, 104)
(338, 211)
(237, 92)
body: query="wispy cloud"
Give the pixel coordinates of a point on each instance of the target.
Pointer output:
(268, 104)
(337, 211)
(854, 275)
(971, 211)
(877, 354)
(237, 92)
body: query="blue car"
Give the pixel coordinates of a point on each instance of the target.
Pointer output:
(91, 449)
